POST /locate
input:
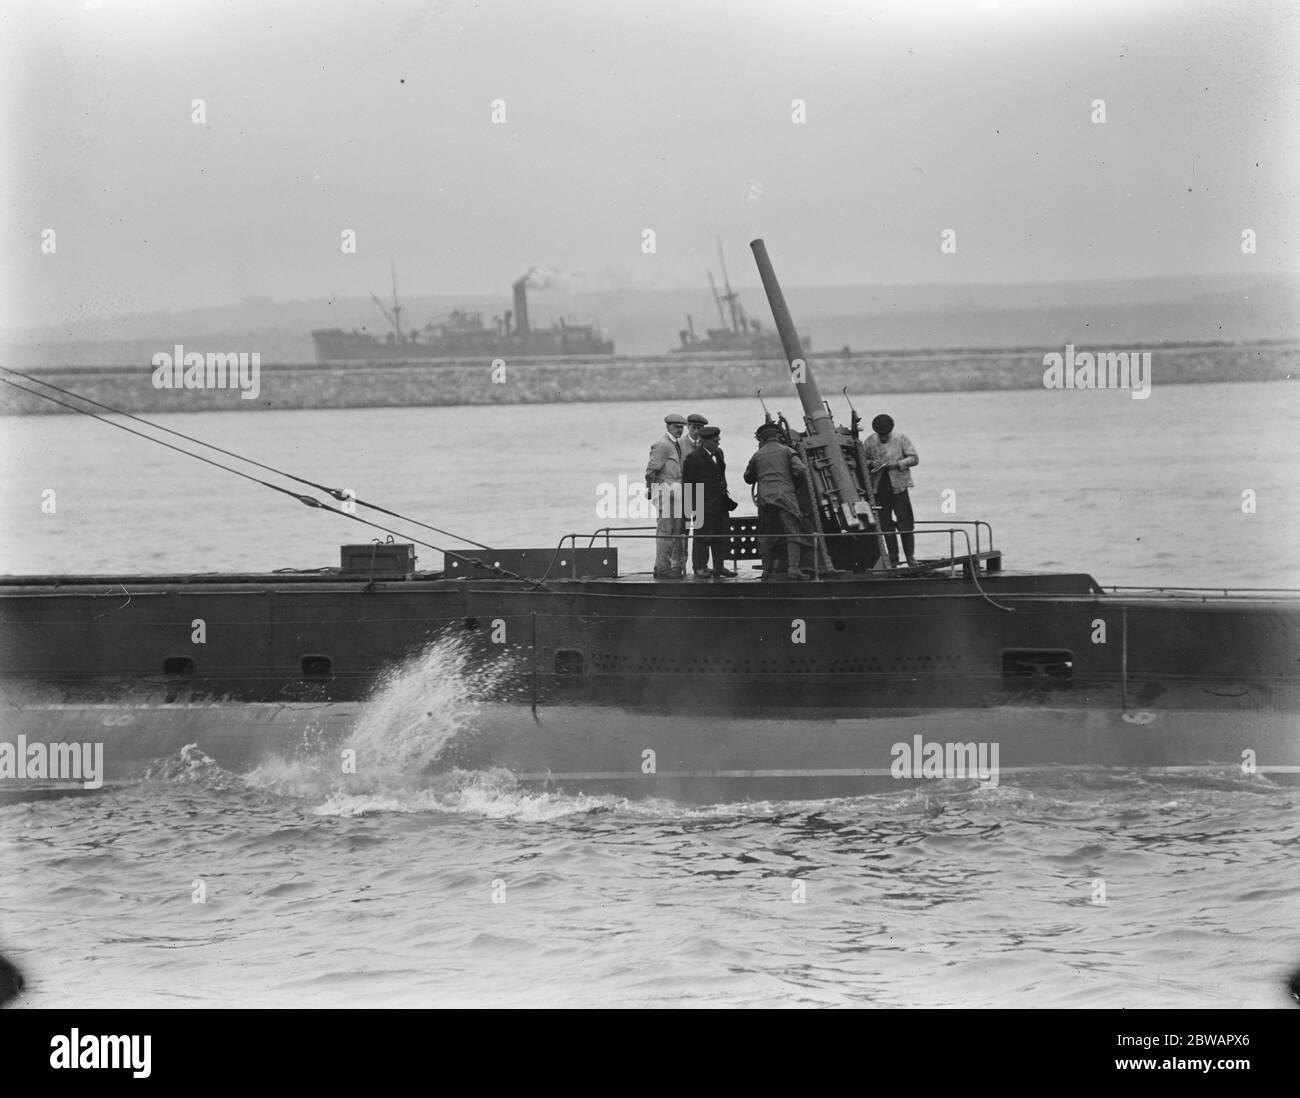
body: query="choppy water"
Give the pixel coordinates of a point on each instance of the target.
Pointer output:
(935, 899)
(318, 890)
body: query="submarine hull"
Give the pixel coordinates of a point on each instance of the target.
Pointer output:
(694, 690)
(711, 758)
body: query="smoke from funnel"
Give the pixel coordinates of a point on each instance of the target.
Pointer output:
(542, 278)
(552, 278)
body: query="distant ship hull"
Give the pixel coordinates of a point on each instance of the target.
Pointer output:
(697, 691)
(723, 342)
(463, 334)
(336, 345)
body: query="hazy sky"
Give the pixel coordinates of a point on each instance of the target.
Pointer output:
(621, 116)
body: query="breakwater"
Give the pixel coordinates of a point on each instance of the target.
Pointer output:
(534, 381)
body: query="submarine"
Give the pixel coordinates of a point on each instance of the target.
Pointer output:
(865, 677)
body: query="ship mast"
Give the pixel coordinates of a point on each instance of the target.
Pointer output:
(730, 297)
(397, 309)
(717, 300)
(394, 317)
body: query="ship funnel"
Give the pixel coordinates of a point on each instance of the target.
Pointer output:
(521, 306)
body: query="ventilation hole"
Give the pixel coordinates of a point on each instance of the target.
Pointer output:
(471, 623)
(568, 661)
(178, 665)
(316, 666)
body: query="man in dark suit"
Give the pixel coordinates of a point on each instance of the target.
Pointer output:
(704, 480)
(688, 443)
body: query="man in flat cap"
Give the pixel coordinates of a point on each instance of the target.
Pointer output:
(690, 440)
(663, 484)
(774, 468)
(704, 483)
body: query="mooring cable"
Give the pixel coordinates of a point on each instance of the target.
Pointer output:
(306, 500)
(337, 493)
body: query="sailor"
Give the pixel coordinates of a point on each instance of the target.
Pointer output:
(690, 440)
(663, 484)
(890, 456)
(704, 483)
(774, 470)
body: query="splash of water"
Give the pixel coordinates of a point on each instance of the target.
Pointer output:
(191, 766)
(388, 761)
(420, 705)
(489, 794)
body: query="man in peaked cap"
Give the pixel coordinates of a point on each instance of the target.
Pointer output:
(704, 483)
(663, 484)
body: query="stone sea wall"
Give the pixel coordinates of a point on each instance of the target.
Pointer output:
(282, 386)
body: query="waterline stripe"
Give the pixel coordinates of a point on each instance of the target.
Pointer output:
(192, 706)
(636, 775)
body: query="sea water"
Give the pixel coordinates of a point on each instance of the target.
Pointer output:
(294, 885)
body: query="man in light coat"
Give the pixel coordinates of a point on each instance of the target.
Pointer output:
(663, 484)
(890, 457)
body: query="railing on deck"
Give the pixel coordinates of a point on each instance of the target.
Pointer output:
(744, 544)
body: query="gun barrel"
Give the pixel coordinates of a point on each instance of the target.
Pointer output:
(843, 489)
(800, 371)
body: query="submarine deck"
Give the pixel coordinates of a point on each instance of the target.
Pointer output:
(912, 582)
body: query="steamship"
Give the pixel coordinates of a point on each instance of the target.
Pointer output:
(739, 332)
(787, 688)
(461, 334)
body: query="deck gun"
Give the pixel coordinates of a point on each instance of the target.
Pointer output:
(836, 465)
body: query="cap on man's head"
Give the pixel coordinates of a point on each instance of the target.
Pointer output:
(882, 424)
(767, 430)
(695, 417)
(675, 418)
(710, 432)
